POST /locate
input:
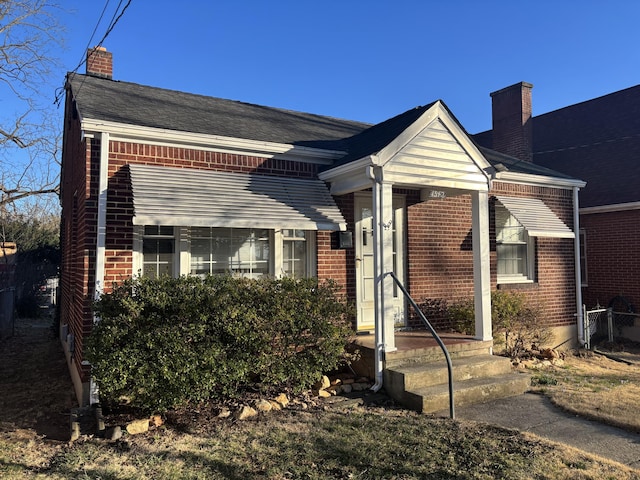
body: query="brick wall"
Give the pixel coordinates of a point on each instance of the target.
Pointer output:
(613, 257)
(554, 289)
(440, 256)
(511, 115)
(99, 62)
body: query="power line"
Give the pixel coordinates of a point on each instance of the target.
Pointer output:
(114, 20)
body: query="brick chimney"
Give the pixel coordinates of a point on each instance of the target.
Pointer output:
(99, 63)
(512, 129)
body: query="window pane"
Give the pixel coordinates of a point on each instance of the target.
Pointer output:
(242, 251)
(294, 253)
(512, 259)
(157, 254)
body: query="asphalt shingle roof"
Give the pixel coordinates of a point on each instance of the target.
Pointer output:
(135, 104)
(130, 103)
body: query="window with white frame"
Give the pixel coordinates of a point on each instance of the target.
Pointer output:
(238, 251)
(158, 251)
(295, 254)
(247, 252)
(514, 248)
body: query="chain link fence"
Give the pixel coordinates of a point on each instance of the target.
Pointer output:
(606, 323)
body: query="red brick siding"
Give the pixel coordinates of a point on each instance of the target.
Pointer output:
(554, 289)
(613, 257)
(440, 256)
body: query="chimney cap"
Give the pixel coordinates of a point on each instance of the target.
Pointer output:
(512, 87)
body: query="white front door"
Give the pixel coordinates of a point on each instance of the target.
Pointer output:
(365, 274)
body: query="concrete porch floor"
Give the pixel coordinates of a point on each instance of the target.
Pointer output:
(416, 345)
(414, 340)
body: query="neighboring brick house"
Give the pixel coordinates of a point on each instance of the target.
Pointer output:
(164, 182)
(597, 141)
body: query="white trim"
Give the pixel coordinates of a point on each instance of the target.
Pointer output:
(481, 264)
(616, 207)
(218, 143)
(102, 216)
(537, 180)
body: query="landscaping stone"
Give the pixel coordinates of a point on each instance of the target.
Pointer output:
(224, 413)
(137, 427)
(263, 405)
(323, 394)
(113, 433)
(246, 412)
(156, 420)
(282, 399)
(323, 383)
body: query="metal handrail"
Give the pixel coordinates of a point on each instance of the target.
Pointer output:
(452, 412)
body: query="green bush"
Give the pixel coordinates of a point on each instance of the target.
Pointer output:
(164, 342)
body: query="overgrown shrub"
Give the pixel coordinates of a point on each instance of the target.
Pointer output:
(163, 342)
(515, 321)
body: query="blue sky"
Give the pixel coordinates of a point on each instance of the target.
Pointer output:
(368, 60)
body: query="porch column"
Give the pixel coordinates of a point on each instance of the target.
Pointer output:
(481, 264)
(383, 260)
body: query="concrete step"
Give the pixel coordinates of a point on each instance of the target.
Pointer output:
(475, 390)
(415, 375)
(434, 353)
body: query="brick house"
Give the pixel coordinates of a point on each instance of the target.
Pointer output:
(164, 182)
(597, 141)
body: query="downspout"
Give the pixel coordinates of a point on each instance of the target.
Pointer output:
(578, 280)
(379, 343)
(100, 238)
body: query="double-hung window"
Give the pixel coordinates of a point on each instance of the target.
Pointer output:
(295, 253)
(514, 248)
(158, 251)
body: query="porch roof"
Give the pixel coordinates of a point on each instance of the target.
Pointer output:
(190, 197)
(423, 147)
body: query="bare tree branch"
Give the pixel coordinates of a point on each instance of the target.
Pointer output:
(29, 131)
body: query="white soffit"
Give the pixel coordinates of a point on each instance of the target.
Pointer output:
(536, 217)
(191, 197)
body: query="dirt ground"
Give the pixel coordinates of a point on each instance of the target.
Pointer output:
(38, 398)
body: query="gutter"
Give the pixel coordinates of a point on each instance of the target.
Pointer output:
(100, 238)
(578, 275)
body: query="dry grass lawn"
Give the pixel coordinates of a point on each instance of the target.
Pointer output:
(595, 386)
(359, 443)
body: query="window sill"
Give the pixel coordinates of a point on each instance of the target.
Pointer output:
(521, 285)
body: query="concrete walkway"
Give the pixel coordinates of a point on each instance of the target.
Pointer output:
(536, 414)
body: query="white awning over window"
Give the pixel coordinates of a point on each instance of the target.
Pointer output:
(190, 197)
(536, 217)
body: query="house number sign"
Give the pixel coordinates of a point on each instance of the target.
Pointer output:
(437, 194)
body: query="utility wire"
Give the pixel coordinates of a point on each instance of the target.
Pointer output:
(114, 20)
